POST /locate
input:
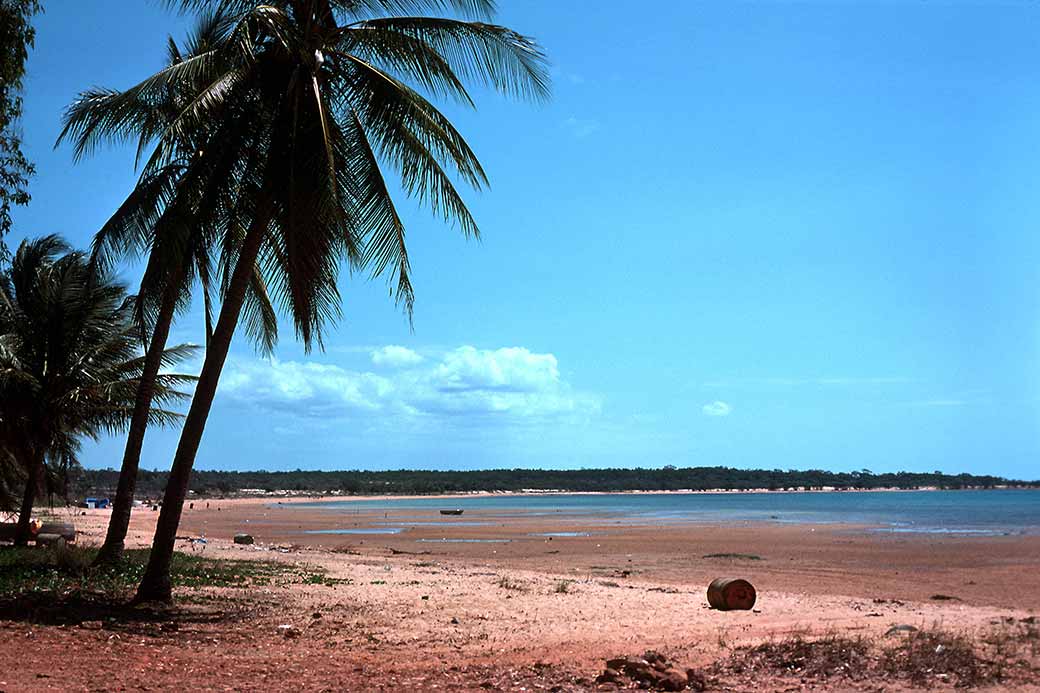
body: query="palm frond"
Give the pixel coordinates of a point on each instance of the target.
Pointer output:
(488, 54)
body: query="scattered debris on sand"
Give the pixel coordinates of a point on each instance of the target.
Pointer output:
(650, 671)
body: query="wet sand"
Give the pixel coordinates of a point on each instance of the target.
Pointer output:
(813, 559)
(414, 612)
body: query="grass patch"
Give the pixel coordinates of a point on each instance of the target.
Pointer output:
(510, 584)
(563, 587)
(829, 657)
(317, 578)
(1015, 638)
(65, 569)
(933, 656)
(922, 658)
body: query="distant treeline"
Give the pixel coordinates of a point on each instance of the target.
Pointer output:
(151, 484)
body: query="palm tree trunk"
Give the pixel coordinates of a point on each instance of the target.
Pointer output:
(155, 584)
(22, 533)
(112, 550)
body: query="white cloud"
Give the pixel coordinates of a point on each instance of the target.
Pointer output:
(512, 369)
(393, 356)
(463, 385)
(716, 408)
(309, 388)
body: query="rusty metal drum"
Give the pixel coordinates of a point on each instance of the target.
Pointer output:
(730, 594)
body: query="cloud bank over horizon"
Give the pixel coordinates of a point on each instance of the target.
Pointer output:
(464, 386)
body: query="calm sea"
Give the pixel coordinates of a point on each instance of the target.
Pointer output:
(957, 512)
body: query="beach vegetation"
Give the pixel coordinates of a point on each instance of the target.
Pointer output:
(924, 657)
(69, 366)
(17, 36)
(298, 109)
(61, 570)
(508, 583)
(563, 586)
(832, 656)
(423, 482)
(181, 216)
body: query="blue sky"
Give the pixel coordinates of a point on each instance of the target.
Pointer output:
(769, 234)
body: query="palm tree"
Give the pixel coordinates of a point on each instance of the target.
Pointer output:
(68, 362)
(175, 214)
(315, 96)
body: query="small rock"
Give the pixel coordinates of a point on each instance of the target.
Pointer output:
(672, 679)
(316, 615)
(243, 539)
(695, 680)
(643, 673)
(900, 628)
(288, 631)
(454, 621)
(654, 657)
(628, 664)
(609, 676)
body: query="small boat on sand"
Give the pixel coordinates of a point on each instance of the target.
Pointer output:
(452, 511)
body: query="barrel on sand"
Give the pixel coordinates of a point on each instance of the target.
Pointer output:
(730, 594)
(41, 533)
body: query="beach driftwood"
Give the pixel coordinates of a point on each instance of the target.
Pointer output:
(730, 594)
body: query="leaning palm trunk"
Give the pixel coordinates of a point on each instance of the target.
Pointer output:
(155, 584)
(32, 483)
(115, 540)
(321, 106)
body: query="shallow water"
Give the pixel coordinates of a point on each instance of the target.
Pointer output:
(464, 541)
(560, 534)
(365, 530)
(984, 512)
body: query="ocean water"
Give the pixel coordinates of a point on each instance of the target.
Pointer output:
(982, 512)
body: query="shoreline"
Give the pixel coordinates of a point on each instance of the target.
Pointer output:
(300, 496)
(804, 558)
(700, 517)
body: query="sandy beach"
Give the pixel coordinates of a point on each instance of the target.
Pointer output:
(502, 606)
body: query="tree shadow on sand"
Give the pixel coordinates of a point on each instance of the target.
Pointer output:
(59, 586)
(98, 611)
